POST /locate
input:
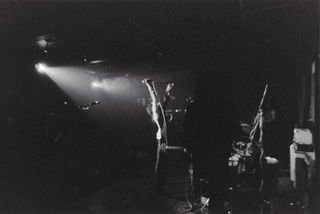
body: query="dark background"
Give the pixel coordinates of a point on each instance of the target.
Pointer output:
(243, 43)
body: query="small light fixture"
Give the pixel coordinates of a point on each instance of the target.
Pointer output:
(41, 67)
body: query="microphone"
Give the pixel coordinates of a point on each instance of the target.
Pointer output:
(147, 81)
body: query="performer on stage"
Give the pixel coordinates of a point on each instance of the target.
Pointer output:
(211, 124)
(156, 110)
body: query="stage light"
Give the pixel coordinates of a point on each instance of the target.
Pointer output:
(95, 84)
(41, 67)
(96, 61)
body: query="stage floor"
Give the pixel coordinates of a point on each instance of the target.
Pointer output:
(135, 195)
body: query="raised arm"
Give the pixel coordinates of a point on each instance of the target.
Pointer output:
(154, 105)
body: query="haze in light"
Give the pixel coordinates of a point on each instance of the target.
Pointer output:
(117, 85)
(85, 86)
(74, 81)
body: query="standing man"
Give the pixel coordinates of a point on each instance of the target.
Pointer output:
(156, 110)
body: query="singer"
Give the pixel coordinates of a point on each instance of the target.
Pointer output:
(157, 111)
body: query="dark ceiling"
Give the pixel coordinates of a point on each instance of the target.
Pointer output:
(187, 30)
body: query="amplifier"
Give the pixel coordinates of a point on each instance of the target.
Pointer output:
(301, 165)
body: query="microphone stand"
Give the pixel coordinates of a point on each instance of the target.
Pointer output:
(258, 122)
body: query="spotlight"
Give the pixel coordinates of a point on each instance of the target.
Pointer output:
(96, 61)
(95, 84)
(41, 67)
